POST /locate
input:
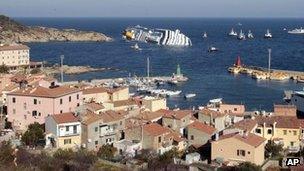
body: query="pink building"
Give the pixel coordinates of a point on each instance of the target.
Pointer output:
(33, 104)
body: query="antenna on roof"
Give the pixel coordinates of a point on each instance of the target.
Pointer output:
(61, 67)
(269, 60)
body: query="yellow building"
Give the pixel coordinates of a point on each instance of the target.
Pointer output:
(239, 147)
(154, 104)
(63, 131)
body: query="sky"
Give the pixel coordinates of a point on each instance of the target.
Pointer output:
(153, 8)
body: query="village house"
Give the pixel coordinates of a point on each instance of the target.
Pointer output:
(285, 110)
(214, 118)
(95, 94)
(287, 130)
(33, 104)
(103, 128)
(156, 137)
(153, 104)
(199, 133)
(63, 131)
(235, 112)
(239, 147)
(177, 120)
(14, 55)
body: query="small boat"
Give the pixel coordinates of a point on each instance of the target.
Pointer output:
(190, 95)
(239, 24)
(205, 35)
(232, 33)
(213, 49)
(250, 35)
(268, 35)
(173, 93)
(284, 29)
(297, 31)
(242, 36)
(136, 47)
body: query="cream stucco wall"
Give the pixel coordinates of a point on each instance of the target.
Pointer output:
(15, 57)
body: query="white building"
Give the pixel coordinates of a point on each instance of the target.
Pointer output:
(63, 131)
(14, 55)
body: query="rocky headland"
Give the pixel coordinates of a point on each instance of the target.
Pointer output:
(12, 31)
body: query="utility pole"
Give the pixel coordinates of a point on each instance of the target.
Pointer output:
(269, 60)
(61, 67)
(148, 67)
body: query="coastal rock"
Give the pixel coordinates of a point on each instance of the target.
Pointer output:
(12, 31)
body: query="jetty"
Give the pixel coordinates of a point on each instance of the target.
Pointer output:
(257, 72)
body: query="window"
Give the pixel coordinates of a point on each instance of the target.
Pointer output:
(74, 129)
(14, 100)
(24, 106)
(291, 143)
(240, 152)
(192, 137)
(77, 104)
(77, 96)
(60, 101)
(34, 113)
(70, 98)
(35, 101)
(258, 130)
(285, 132)
(67, 128)
(159, 139)
(294, 132)
(96, 129)
(269, 131)
(235, 109)
(120, 122)
(67, 141)
(96, 142)
(60, 111)
(248, 152)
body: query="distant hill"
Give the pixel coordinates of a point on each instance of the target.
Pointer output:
(12, 31)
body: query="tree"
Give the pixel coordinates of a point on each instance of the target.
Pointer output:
(4, 69)
(247, 166)
(6, 153)
(106, 152)
(273, 150)
(33, 134)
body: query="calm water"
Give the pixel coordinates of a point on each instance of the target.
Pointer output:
(207, 72)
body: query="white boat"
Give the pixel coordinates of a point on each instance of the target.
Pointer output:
(250, 35)
(136, 47)
(205, 35)
(213, 49)
(190, 95)
(242, 36)
(296, 31)
(173, 93)
(232, 33)
(268, 35)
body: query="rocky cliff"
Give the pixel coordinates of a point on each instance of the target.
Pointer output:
(12, 31)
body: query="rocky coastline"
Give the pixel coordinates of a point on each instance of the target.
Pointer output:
(12, 31)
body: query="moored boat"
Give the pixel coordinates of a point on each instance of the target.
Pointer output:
(190, 95)
(250, 35)
(268, 35)
(232, 33)
(212, 49)
(242, 36)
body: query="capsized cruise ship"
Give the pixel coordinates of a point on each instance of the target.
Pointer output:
(157, 36)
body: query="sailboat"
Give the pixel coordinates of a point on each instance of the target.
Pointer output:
(268, 35)
(205, 35)
(232, 33)
(250, 35)
(242, 36)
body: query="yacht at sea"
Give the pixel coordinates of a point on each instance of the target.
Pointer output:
(157, 36)
(250, 35)
(268, 35)
(232, 33)
(205, 35)
(242, 36)
(296, 31)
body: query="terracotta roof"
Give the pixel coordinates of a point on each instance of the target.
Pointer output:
(127, 102)
(149, 116)
(202, 127)
(179, 114)
(209, 112)
(291, 122)
(250, 139)
(246, 124)
(111, 91)
(155, 129)
(111, 116)
(11, 87)
(14, 47)
(65, 118)
(94, 90)
(45, 92)
(94, 106)
(91, 118)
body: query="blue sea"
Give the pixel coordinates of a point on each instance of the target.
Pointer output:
(207, 72)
